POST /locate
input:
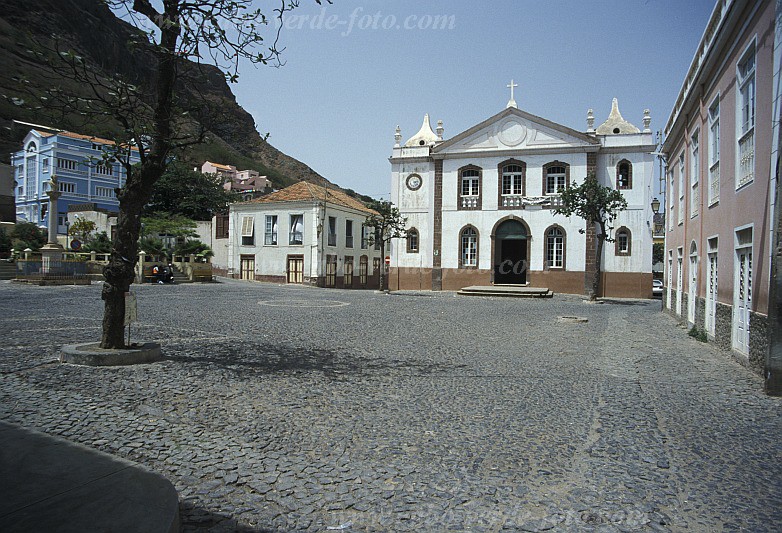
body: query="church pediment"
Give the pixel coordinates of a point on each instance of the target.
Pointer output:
(513, 129)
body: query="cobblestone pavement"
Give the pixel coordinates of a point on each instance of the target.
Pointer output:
(285, 408)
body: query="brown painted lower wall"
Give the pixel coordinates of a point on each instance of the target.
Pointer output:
(627, 284)
(271, 279)
(559, 281)
(410, 279)
(615, 284)
(458, 278)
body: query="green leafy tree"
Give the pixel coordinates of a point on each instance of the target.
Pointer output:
(5, 243)
(100, 243)
(28, 235)
(194, 247)
(183, 191)
(170, 225)
(186, 37)
(82, 229)
(598, 206)
(152, 246)
(658, 252)
(387, 224)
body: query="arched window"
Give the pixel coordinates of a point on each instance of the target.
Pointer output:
(468, 256)
(469, 187)
(31, 147)
(511, 184)
(556, 176)
(623, 242)
(624, 175)
(412, 241)
(555, 248)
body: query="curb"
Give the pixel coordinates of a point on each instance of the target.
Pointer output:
(91, 354)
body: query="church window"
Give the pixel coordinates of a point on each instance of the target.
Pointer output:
(511, 184)
(469, 187)
(556, 176)
(511, 180)
(623, 242)
(469, 247)
(624, 175)
(555, 248)
(412, 241)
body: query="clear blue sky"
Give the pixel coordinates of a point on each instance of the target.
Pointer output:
(346, 85)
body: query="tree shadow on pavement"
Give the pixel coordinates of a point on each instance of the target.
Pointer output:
(273, 359)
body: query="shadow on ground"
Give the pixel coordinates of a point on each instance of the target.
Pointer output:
(244, 358)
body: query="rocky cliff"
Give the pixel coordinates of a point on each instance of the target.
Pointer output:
(92, 30)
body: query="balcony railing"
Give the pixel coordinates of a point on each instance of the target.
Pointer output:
(695, 200)
(469, 202)
(512, 201)
(714, 183)
(746, 158)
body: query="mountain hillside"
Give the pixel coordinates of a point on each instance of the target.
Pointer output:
(92, 30)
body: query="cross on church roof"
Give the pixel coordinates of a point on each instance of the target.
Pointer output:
(512, 102)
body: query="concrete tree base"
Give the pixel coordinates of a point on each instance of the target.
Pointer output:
(91, 354)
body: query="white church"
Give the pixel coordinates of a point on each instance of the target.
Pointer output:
(480, 206)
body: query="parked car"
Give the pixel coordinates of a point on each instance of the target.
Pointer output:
(657, 288)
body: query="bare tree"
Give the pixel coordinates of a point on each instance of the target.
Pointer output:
(182, 36)
(387, 224)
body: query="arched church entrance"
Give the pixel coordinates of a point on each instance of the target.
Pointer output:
(510, 253)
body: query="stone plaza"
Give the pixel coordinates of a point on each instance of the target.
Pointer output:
(288, 408)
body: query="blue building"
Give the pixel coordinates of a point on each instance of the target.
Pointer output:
(84, 176)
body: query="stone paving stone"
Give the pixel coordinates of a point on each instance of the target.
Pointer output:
(406, 412)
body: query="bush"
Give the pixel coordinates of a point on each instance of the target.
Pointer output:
(194, 247)
(28, 235)
(100, 243)
(5, 242)
(152, 246)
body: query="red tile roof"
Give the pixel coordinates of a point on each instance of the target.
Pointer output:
(305, 191)
(90, 138)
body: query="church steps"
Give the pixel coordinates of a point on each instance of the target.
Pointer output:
(507, 291)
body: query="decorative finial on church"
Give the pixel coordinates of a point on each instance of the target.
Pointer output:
(397, 136)
(647, 121)
(512, 102)
(590, 122)
(440, 130)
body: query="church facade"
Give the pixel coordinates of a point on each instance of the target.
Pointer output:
(480, 206)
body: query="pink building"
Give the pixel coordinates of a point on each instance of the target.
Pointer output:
(721, 151)
(248, 183)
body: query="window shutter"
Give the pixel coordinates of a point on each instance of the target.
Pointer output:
(247, 226)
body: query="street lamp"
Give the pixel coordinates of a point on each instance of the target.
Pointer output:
(656, 206)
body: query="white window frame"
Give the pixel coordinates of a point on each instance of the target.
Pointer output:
(271, 232)
(746, 87)
(555, 247)
(248, 230)
(292, 231)
(469, 247)
(558, 178)
(695, 173)
(515, 180)
(714, 151)
(680, 217)
(66, 187)
(471, 178)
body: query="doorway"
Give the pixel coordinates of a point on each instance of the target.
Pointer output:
(510, 253)
(247, 267)
(295, 269)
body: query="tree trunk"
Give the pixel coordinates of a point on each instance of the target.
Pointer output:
(382, 265)
(120, 271)
(598, 263)
(133, 197)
